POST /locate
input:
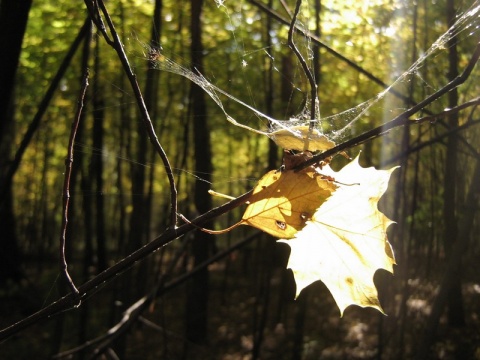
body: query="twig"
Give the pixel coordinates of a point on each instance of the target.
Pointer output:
(433, 118)
(330, 50)
(94, 8)
(134, 312)
(66, 184)
(90, 286)
(306, 69)
(209, 231)
(400, 120)
(131, 315)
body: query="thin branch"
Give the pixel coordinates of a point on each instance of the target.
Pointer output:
(92, 285)
(133, 313)
(306, 69)
(335, 53)
(66, 184)
(400, 120)
(118, 47)
(435, 140)
(93, 10)
(433, 118)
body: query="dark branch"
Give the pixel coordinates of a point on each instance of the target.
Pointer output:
(118, 47)
(306, 69)
(92, 285)
(42, 107)
(400, 120)
(134, 312)
(66, 184)
(435, 140)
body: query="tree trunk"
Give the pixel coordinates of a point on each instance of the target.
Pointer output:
(97, 165)
(13, 21)
(197, 299)
(269, 89)
(453, 268)
(456, 316)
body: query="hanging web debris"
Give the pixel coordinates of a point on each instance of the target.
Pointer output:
(298, 133)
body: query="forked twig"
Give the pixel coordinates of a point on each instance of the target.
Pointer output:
(42, 108)
(66, 184)
(130, 316)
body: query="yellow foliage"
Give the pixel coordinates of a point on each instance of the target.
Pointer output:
(345, 241)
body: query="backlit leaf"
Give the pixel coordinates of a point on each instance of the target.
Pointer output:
(301, 138)
(283, 201)
(345, 241)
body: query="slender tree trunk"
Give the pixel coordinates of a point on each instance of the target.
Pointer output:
(197, 299)
(456, 316)
(125, 129)
(316, 49)
(97, 164)
(407, 201)
(453, 268)
(124, 146)
(269, 89)
(13, 21)
(262, 304)
(151, 95)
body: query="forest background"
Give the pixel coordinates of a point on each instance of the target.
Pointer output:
(229, 296)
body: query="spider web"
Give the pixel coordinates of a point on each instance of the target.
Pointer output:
(336, 127)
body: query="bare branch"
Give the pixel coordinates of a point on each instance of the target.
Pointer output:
(335, 53)
(66, 184)
(306, 69)
(118, 47)
(134, 312)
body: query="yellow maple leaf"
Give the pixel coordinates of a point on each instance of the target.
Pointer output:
(283, 201)
(345, 241)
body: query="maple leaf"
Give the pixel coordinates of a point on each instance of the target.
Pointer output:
(345, 241)
(283, 201)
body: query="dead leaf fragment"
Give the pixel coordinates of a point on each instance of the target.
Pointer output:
(345, 241)
(283, 201)
(301, 138)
